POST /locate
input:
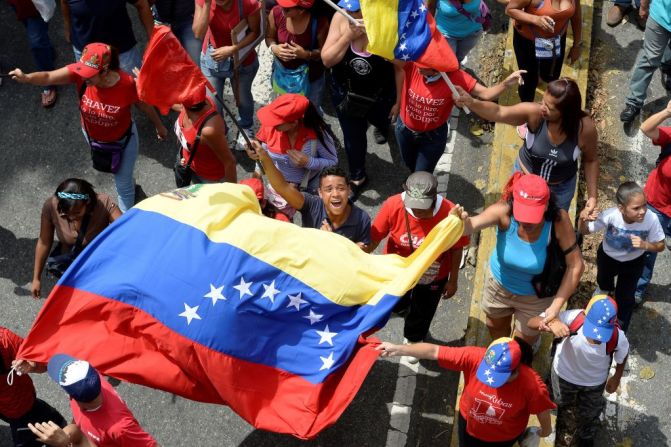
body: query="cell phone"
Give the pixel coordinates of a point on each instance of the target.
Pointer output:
(24, 436)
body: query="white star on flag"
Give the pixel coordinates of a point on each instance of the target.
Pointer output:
(595, 330)
(243, 288)
(215, 294)
(326, 336)
(499, 363)
(403, 36)
(313, 317)
(405, 57)
(487, 372)
(490, 380)
(270, 291)
(403, 47)
(327, 361)
(296, 301)
(422, 8)
(190, 313)
(598, 336)
(414, 14)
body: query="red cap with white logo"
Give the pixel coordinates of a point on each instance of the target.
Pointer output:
(531, 195)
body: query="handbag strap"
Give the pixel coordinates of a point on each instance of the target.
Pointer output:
(80, 236)
(196, 142)
(407, 228)
(240, 12)
(460, 8)
(313, 26)
(553, 237)
(313, 153)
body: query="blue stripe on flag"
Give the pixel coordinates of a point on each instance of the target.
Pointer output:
(221, 297)
(414, 33)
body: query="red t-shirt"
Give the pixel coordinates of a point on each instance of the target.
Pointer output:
(106, 114)
(112, 424)
(15, 400)
(206, 164)
(390, 222)
(425, 106)
(25, 9)
(658, 186)
(222, 23)
(495, 414)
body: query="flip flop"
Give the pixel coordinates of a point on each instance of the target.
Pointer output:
(48, 98)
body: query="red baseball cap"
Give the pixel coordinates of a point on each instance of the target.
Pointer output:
(295, 3)
(256, 185)
(284, 109)
(531, 195)
(95, 58)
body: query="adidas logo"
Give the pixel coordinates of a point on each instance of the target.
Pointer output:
(554, 152)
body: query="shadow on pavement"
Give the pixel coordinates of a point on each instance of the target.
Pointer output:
(17, 260)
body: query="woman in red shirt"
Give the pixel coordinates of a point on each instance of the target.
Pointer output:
(657, 189)
(405, 220)
(296, 36)
(213, 22)
(106, 95)
(213, 161)
(501, 390)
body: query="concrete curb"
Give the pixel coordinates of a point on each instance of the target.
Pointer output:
(504, 151)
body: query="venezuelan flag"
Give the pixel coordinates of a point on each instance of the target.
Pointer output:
(406, 30)
(196, 293)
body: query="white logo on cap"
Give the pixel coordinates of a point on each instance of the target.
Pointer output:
(74, 372)
(526, 195)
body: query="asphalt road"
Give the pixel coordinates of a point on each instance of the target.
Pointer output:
(397, 405)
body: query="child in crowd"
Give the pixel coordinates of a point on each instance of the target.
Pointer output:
(630, 231)
(591, 340)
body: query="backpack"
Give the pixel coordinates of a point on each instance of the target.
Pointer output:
(611, 345)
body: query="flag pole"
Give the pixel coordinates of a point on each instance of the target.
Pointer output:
(351, 19)
(235, 122)
(453, 89)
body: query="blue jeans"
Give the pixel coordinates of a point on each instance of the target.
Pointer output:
(127, 60)
(123, 179)
(40, 45)
(354, 129)
(650, 256)
(421, 150)
(463, 45)
(317, 92)
(656, 53)
(563, 192)
(184, 33)
(218, 72)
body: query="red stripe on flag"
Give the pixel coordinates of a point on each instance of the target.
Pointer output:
(124, 342)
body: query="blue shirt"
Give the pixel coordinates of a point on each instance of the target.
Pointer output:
(660, 12)
(515, 262)
(356, 228)
(452, 23)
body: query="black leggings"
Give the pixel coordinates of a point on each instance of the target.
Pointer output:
(421, 302)
(525, 52)
(627, 273)
(466, 440)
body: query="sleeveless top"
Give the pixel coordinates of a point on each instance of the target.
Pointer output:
(206, 164)
(365, 74)
(515, 262)
(316, 68)
(540, 156)
(545, 8)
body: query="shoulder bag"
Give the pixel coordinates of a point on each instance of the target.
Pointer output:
(57, 262)
(293, 80)
(182, 168)
(484, 17)
(546, 284)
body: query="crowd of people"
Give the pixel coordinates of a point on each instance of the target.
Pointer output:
(536, 264)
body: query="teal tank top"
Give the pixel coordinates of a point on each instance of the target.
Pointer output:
(515, 262)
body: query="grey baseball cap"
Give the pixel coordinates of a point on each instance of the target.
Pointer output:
(421, 189)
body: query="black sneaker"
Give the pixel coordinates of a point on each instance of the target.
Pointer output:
(666, 80)
(380, 138)
(629, 113)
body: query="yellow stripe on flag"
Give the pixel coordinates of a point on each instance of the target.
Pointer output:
(381, 20)
(327, 262)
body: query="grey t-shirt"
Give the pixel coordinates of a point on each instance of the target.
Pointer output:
(356, 228)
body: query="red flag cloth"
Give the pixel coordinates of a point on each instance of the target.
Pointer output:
(168, 75)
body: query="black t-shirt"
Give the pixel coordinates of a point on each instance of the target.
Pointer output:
(370, 75)
(356, 228)
(174, 11)
(104, 21)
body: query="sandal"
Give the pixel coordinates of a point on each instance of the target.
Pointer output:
(48, 97)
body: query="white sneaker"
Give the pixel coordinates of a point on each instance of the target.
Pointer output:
(410, 359)
(240, 143)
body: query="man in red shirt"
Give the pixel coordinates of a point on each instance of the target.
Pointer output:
(500, 391)
(99, 415)
(19, 404)
(405, 220)
(657, 189)
(426, 100)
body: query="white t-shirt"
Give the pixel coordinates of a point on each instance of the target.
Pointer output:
(582, 363)
(617, 237)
